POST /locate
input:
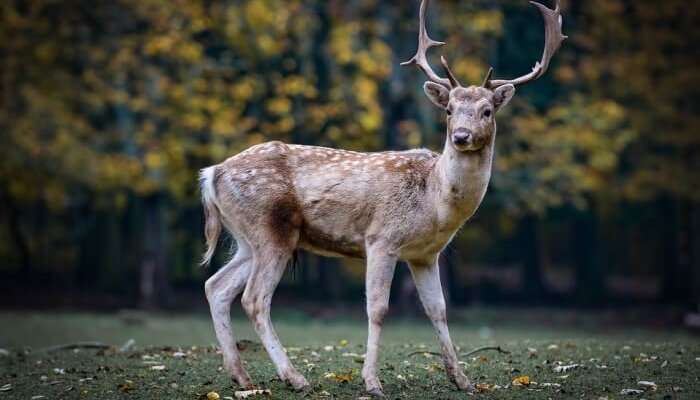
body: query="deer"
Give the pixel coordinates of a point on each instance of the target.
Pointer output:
(384, 207)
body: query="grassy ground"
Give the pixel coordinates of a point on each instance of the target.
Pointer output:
(174, 358)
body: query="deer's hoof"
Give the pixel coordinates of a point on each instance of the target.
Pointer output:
(298, 382)
(244, 382)
(375, 392)
(373, 385)
(466, 386)
(462, 383)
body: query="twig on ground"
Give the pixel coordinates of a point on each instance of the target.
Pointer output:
(486, 348)
(73, 346)
(424, 352)
(127, 346)
(471, 353)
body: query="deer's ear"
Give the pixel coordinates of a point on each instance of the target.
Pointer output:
(502, 95)
(438, 94)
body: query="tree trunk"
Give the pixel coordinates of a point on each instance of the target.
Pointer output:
(154, 285)
(528, 238)
(677, 252)
(589, 274)
(15, 230)
(694, 241)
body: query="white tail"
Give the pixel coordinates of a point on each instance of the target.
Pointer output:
(212, 217)
(383, 207)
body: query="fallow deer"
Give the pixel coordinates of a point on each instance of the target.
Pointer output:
(275, 198)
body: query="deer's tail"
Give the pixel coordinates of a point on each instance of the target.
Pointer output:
(212, 227)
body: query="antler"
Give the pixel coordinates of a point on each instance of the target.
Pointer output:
(553, 39)
(421, 60)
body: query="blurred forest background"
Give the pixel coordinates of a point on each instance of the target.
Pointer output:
(109, 109)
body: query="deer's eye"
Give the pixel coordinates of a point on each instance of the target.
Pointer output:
(487, 113)
(449, 112)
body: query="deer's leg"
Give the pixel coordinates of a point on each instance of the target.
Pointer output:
(267, 271)
(427, 279)
(380, 272)
(221, 289)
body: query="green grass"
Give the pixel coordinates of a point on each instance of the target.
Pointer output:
(610, 359)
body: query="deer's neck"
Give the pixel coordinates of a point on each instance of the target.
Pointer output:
(462, 179)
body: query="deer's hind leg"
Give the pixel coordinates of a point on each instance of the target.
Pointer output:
(275, 242)
(268, 269)
(221, 289)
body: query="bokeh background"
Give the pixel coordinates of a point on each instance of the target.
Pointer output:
(109, 109)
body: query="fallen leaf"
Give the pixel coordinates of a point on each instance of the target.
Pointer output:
(553, 347)
(328, 348)
(532, 352)
(522, 380)
(126, 387)
(631, 392)
(648, 385)
(547, 384)
(485, 387)
(6, 387)
(343, 343)
(158, 367)
(38, 397)
(565, 368)
(343, 378)
(213, 396)
(179, 354)
(244, 394)
(4, 353)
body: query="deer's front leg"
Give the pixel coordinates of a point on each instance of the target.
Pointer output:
(380, 272)
(427, 279)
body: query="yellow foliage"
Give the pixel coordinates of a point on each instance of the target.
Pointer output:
(243, 90)
(490, 22)
(279, 105)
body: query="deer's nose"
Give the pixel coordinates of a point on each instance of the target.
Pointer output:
(462, 136)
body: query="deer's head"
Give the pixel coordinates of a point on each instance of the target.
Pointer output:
(471, 110)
